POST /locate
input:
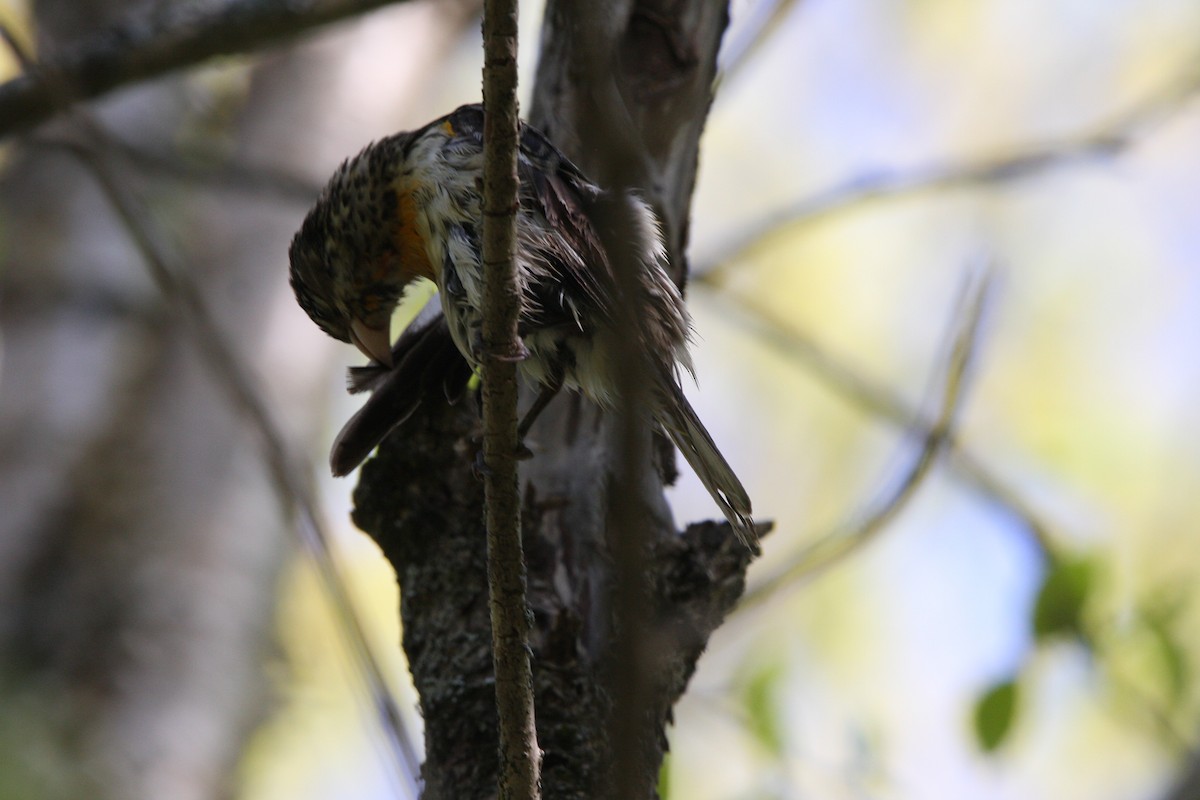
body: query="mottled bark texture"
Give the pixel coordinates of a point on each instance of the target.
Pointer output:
(422, 502)
(624, 89)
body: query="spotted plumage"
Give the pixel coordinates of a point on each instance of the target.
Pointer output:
(409, 207)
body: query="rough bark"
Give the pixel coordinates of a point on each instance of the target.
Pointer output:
(624, 89)
(422, 502)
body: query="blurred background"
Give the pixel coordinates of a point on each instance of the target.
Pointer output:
(1026, 624)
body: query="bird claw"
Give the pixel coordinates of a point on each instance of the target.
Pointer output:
(514, 352)
(479, 467)
(519, 353)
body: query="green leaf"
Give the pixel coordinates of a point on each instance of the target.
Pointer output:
(1062, 598)
(995, 712)
(664, 778)
(760, 698)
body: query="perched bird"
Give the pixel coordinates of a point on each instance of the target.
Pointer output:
(409, 207)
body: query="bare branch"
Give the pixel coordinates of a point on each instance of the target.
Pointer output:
(1108, 140)
(846, 539)
(766, 21)
(217, 172)
(182, 35)
(520, 758)
(802, 348)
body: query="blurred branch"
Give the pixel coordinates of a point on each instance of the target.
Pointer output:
(876, 398)
(292, 488)
(838, 544)
(1188, 787)
(215, 171)
(145, 46)
(766, 21)
(1156, 713)
(1108, 140)
(1112, 633)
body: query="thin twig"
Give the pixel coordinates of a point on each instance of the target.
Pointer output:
(876, 398)
(520, 758)
(217, 172)
(1108, 140)
(143, 46)
(1108, 633)
(1155, 711)
(844, 540)
(765, 22)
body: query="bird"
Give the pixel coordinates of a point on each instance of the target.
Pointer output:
(409, 206)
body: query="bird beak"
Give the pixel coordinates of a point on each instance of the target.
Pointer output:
(374, 343)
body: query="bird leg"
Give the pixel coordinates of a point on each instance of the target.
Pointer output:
(540, 402)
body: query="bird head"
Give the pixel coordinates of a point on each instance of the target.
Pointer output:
(348, 268)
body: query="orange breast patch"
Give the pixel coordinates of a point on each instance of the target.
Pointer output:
(414, 258)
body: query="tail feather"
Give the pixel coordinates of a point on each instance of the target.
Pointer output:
(427, 366)
(688, 433)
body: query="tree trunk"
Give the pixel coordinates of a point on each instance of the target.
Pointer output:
(624, 88)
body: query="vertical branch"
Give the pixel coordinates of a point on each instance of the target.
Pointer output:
(631, 668)
(417, 498)
(519, 754)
